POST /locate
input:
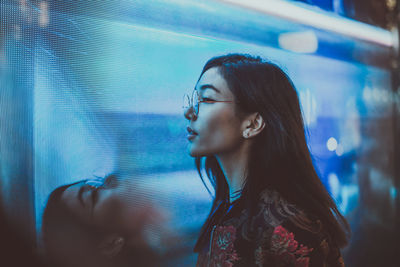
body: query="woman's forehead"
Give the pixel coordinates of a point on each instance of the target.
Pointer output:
(214, 81)
(71, 190)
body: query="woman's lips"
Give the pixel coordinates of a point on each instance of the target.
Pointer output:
(191, 136)
(191, 133)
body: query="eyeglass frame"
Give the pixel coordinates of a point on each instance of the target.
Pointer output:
(95, 183)
(197, 109)
(100, 182)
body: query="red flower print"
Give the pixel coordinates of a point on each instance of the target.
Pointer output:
(303, 262)
(288, 249)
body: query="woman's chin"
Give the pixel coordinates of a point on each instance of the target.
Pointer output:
(193, 152)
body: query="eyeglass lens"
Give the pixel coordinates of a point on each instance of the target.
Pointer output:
(191, 101)
(195, 102)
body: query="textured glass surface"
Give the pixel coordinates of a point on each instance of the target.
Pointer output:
(90, 88)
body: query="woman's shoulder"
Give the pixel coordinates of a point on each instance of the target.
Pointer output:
(285, 233)
(275, 209)
(282, 226)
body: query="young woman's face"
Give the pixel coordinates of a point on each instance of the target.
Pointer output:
(217, 129)
(110, 205)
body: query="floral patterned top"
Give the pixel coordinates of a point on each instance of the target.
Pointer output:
(273, 237)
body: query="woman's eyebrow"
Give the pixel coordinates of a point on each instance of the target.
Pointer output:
(95, 197)
(209, 86)
(80, 192)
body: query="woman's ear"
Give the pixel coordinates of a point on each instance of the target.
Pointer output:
(254, 124)
(111, 245)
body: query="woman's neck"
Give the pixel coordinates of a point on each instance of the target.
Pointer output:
(234, 167)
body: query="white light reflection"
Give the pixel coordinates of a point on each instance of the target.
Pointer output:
(308, 107)
(44, 14)
(23, 6)
(376, 96)
(349, 194)
(320, 20)
(367, 95)
(331, 144)
(299, 42)
(339, 150)
(17, 32)
(334, 185)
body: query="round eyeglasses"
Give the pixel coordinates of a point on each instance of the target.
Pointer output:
(111, 181)
(194, 100)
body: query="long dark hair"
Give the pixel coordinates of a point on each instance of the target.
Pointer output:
(279, 158)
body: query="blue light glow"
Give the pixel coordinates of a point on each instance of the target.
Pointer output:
(94, 87)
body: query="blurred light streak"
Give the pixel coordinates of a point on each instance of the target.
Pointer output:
(26, 10)
(23, 6)
(17, 32)
(309, 107)
(320, 20)
(299, 42)
(334, 185)
(348, 193)
(44, 14)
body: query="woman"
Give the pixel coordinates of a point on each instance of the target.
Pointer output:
(270, 208)
(101, 223)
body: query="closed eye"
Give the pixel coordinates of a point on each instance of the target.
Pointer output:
(207, 100)
(92, 190)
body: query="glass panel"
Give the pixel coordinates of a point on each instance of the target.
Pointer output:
(102, 85)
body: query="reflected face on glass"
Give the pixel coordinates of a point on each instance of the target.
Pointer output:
(92, 201)
(92, 222)
(216, 129)
(110, 204)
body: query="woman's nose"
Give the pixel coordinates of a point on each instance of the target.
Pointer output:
(189, 113)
